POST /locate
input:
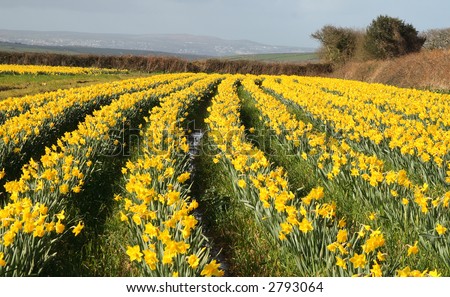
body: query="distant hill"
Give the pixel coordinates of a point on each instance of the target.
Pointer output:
(76, 50)
(277, 58)
(180, 44)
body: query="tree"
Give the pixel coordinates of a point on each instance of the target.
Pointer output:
(437, 39)
(388, 37)
(337, 44)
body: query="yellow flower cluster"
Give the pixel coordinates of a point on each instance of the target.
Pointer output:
(407, 123)
(407, 272)
(363, 161)
(167, 238)
(265, 189)
(15, 106)
(44, 188)
(340, 163)
(23, 216)
(45, 113)
(54, 70)
(345, 247)
(382, 150)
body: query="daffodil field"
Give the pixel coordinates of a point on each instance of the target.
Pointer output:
(343, 178)
(53, 70)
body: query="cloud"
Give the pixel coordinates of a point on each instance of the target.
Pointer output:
(283, 22)
(73, 5)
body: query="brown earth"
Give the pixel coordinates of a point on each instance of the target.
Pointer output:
(424, 70)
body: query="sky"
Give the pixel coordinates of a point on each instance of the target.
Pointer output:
(274, 22)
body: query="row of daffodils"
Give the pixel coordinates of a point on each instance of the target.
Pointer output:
(385, 197)
(167, 238)
(53, 70)
(40, 116)
(35, 215)
(295, 223)
(15, 106)
(378, 156)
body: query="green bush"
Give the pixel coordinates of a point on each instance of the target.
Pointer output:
(388, 37)
(338, 44)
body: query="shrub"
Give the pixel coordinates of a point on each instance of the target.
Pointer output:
(338, 44)
(437, 39)
(388, 37)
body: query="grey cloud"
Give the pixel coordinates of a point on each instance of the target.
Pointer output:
(281, 22)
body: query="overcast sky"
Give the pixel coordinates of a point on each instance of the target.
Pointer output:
(275, 22)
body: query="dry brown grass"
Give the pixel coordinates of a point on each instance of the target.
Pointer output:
(424, 70)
